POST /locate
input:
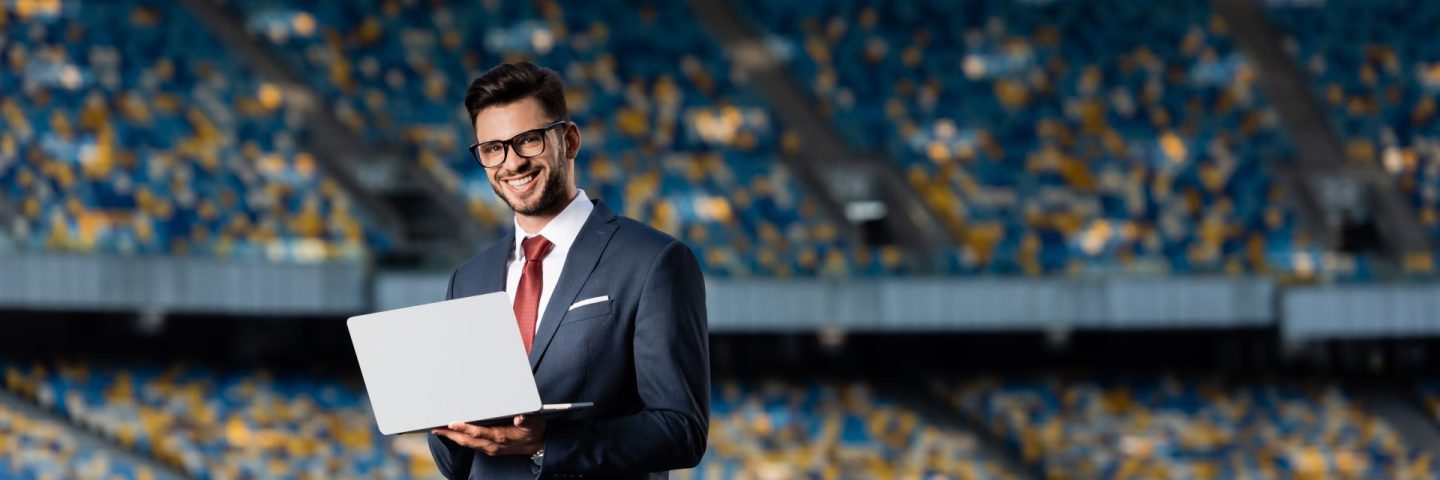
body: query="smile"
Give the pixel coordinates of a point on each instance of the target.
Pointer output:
(521, 183)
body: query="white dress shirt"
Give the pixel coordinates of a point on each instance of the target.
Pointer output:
(561, 231)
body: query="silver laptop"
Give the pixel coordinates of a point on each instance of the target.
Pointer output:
(428, 365)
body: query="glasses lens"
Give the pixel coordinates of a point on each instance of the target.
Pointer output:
(530, 144)
(490, 153)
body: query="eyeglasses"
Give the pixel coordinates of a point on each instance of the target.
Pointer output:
(527, 144)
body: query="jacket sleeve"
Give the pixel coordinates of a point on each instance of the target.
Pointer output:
(451, 459)
(672, 375)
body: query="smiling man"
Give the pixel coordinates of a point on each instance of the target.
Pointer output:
(610, 310)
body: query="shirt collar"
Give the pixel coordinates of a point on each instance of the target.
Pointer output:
(563, 229)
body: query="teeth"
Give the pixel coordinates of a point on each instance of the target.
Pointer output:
(517, 183)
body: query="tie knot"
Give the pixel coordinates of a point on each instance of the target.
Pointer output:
(536, 248)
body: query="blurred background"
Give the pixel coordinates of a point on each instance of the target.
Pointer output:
(985, 239)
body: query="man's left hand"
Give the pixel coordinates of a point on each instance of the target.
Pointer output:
(524, 437)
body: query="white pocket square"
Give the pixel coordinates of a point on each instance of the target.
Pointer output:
(588, 301)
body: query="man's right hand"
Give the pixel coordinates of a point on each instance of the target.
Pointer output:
(525, 437)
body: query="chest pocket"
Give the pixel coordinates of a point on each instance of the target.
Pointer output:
(582, 328)
(581, 336)
(587, 310)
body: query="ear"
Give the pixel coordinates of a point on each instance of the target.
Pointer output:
(572, 140)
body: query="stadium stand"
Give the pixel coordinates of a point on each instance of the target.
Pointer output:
(1179, 427)
(1073, 136)
(251, 424)
(1052, 138)
(146, 140)
(670, 139)
(39, 448)
(777, 429)
(218, 424)
(1376, 69)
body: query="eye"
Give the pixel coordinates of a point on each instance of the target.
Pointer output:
(528, 138)
(490, 148)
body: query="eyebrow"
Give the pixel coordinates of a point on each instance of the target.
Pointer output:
(513, 136)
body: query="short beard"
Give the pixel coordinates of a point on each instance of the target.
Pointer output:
(552, 199)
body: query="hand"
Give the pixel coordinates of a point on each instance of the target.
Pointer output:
(525, 437)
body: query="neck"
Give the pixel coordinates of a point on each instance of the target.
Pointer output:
(533, 224)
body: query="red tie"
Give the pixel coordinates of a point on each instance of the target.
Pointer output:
(527, 296)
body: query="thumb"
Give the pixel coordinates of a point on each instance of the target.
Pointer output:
(529, 424)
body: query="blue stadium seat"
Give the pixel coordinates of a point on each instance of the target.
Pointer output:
(1056, 137)
(779, 429)
(669, 138)
(228, 424)
(1376, 67)
(148, 139)
(1076, 426)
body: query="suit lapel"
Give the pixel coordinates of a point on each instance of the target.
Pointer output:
(579, 264)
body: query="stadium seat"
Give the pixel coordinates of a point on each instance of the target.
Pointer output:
(228, 424)
(1099, 426)
(778, 429)
(1057, 137)
(38, 448)
(670, 139)
(1376, 70)
(151, 140)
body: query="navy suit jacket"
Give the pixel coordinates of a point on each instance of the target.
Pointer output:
(642, 357)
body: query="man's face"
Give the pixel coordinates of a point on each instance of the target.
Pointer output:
(538, 186)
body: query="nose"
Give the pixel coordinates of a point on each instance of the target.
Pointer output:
(514, 163)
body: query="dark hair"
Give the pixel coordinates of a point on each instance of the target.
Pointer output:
(511, 82)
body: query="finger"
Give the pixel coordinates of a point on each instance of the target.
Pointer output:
(493, 434)
(468, 429)
(468, 441)
(528, 424)
(457, 437)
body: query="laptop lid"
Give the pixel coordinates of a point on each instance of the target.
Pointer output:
(428, 365)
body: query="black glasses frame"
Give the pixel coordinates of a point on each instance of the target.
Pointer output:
(509, 145)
